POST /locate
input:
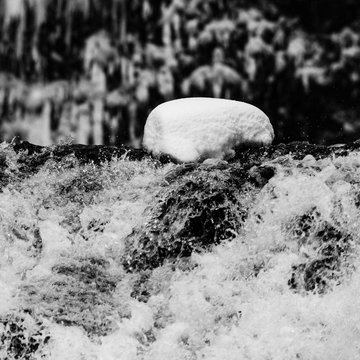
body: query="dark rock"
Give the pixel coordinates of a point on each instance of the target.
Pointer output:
(330, 250)
(35, 156)
(200, 209)
(79, 293)
(298, 150)
(4, 178)
(30, 235)
(18, 340)
(32, 157)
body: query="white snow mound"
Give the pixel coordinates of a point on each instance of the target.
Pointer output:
(194, 129)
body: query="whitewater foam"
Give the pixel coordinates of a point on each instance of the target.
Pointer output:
(231, 302)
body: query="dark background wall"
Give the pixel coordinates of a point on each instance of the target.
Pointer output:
(93, 69)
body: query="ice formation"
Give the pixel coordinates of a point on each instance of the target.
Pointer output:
(193, 129)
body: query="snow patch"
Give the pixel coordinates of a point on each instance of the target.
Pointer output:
(193, 129)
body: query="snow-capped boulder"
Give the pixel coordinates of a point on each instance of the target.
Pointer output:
(194, 129)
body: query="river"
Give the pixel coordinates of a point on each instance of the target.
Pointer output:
(286, 285)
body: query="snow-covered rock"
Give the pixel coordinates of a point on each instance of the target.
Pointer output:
(193, 129)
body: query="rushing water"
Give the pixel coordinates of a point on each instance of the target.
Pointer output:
(65, 294)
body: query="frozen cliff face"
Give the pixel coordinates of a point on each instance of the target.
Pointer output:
(193, 129)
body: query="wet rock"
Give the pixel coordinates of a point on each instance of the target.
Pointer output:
(260, 175)
(32, 157)
(197, 211)
(78, 293)
(297, 149)
(4, 178)
(22, 336)
(325, 250)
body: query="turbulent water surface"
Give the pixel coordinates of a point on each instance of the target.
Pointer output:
(284, 284)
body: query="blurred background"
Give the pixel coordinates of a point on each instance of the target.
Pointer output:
(92, 70)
